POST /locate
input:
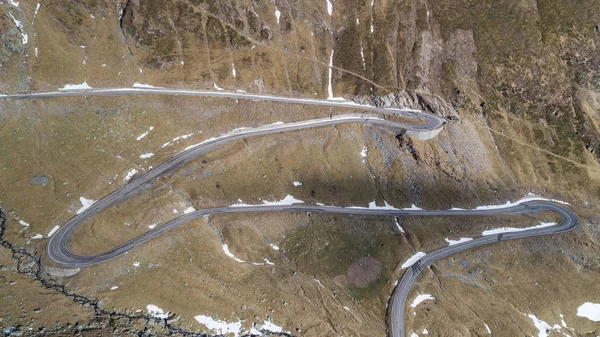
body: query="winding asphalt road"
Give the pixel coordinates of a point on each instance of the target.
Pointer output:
(57, 247)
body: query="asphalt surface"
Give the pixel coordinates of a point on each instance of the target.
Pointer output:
(57, 247)
(434, 122)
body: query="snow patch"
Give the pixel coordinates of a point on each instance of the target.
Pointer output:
(420, 299)
(136, 264)
(487, 328)
(82, 86)
(23, 223)
(189, 210)
(176, 139)
(157, 312)
(140, 137)
(37, 237)
(146, 155)
(143, 85)
(268, 325)
(455, 242)
(52, 231)
(278, 14)
(37, 9)
(425, 332)
(130, 174)
(515, 229)
(297, 183)
(274, 246)
(329, 7)
(233, 72)
(590, 311)
(398, 225)
(363, 153)
(228, 253)
(544, 328)
(24, 36)
(218, 326)
(85, 204)
(114, 287)
(217, 87)
(14, 3)
(288, 200)
(330, 86)
(412, 260)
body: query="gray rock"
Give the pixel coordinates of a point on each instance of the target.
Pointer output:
(38, 180)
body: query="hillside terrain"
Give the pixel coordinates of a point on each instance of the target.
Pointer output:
(517, 81)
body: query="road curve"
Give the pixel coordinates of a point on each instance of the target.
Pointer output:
(396, 313)
(57, 247)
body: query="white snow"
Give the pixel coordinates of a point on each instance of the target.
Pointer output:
(218, 326)
(228, 253)
(278, 14)
(398, 225)
(14, 3)
(82, 86)
(85, 204)
(455, 242)
(52, 231)
(288, 200)
(297, 183)
(329, 7)
(140, 137)
(412, 260)
(330, 87)
(543, 327)
(233, 72)
(414, 335)
(363, 153)
(146, 155)
(36, 51)
(590, 311)
(157, 312)
(515, 229)
(274, 246)
(189, 210)
(420, 299)
(176, 139)
(425, 332)
(142, 85)
(268, 325)
(37, 9)
(24, 36)
(362, 56)
(136, 264)
(217, 87)
(114, 287)
(152, 226)
(372, 29)
(562, 321)
(130, 174)
(23, 223)
(487, 328)
(37, 237)
(346, 308)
